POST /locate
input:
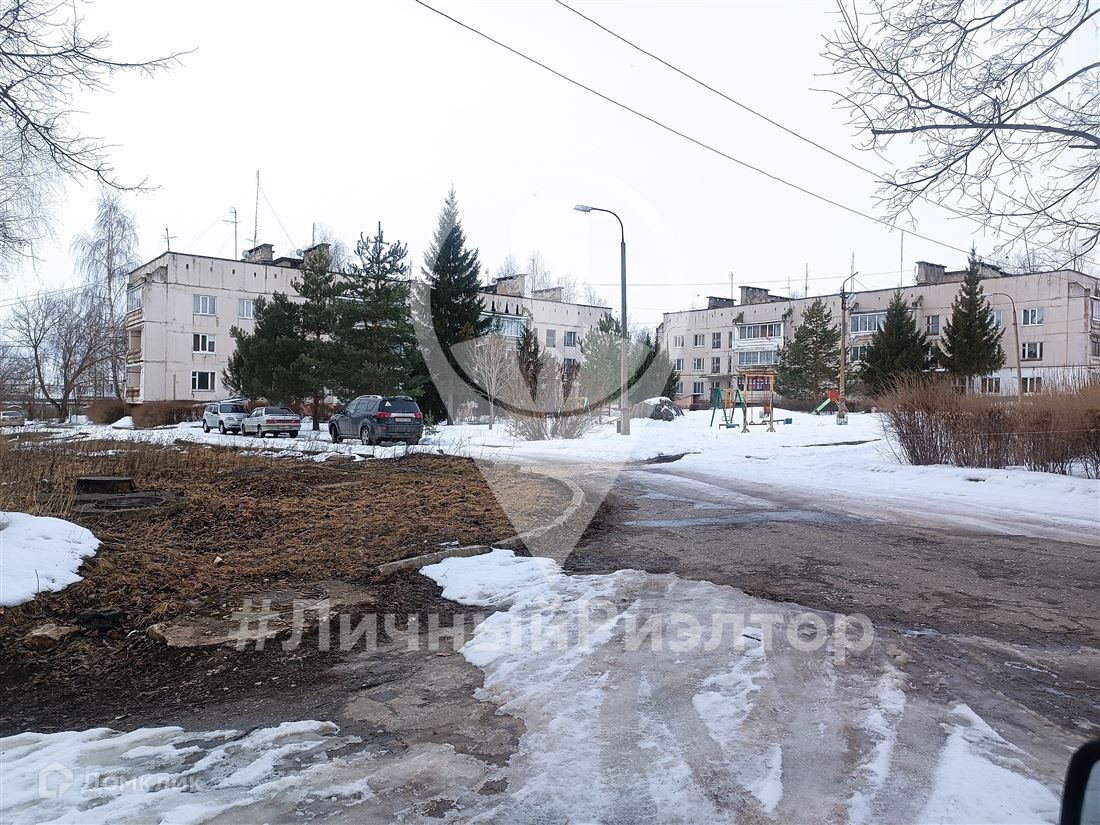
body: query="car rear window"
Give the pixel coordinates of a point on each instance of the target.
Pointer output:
(398, 405)
(233, 408)
(280, 411)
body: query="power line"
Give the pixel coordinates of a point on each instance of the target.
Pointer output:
(682, 135)
(761, 115)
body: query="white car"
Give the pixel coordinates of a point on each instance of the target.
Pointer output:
(12, 418)
(223, 416)
(271, 421)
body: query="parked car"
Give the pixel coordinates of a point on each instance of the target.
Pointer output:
(12, 418)
(271, 421)
(377, 418)
(223, 416)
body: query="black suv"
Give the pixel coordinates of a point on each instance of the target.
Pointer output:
(377, 418)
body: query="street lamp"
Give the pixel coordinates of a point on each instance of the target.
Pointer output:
(624, 405)
(841, 403)
(1016, 333)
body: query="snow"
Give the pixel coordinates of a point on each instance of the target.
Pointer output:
(852, 468)
(124, 423)
(40, 554)
(682, 730)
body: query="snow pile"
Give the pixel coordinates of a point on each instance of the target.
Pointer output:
(277, 774)
(124, 423)
(39, 555)
(501, 579)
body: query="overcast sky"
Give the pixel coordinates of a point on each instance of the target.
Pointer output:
(356, 113)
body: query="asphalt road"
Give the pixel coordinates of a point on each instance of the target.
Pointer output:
(1010, 625)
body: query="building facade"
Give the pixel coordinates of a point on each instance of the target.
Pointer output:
(180, 309)
(1057, 316)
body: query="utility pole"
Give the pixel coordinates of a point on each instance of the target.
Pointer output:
(806, 284)
(168, 239)
(731, 286)
(901, 260)
(841, 403)
(233, 210)
(1016, 335)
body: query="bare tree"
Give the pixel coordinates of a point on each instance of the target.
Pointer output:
(508, 267)
(63, 337)
(105, 256)
(592, 297)
(539, 276)
(46, 58)
(494, 362)
(16, 375)
(1005, 119)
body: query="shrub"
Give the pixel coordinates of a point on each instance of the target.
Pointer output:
(159, 413)
(106, 410)
(1051, 432)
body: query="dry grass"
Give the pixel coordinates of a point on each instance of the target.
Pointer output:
(1054, 432)
(268, 520)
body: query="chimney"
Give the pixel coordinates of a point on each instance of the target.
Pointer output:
(755, 295)
(510, 285)
(262, 254)
(930, 273)
(714, 302)
(552, 293)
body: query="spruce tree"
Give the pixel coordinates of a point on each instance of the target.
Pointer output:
(809, 364)
(533, 360)
(453, 305)
(897, 348)
(376, 337)
(971, 339)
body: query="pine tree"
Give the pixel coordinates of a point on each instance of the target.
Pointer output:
(971, 339)
(453, 305)
(533, 360)
(809, 364)
(897, 348)
(376, 337)
(602, 350)
(291, 355)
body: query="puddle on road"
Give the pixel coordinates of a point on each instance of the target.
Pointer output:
(763, 517)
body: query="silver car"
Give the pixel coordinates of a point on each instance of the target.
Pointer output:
(223, 416)
(272, 421)
(12, 418)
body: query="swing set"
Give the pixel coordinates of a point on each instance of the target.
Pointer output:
(752, 390)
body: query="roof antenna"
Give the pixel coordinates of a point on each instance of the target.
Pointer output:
(256, 223)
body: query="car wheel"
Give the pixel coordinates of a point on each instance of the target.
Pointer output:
(293, 434)
(205, 427)
(334, 435)
(364, 436)
(221, 428)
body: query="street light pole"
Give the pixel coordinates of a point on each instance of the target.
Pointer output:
(841, 402)
(1016, 335)
(624, 395)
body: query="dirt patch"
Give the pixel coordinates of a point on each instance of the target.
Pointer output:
(252, 526)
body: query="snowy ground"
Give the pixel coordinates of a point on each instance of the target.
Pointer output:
(854, 467)
(39, 555)
(621, 727)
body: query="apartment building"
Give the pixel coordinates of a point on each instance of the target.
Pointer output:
(1057, 315)
(180, 308)
(559, 325)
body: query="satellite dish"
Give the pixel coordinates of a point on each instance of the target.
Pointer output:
(299, 252)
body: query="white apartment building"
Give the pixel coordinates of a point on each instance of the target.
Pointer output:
(180, 309)
(1057, 314)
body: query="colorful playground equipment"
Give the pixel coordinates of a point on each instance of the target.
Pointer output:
(833, 397)
(753, 391)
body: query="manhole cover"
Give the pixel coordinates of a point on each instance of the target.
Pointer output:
(128, 502)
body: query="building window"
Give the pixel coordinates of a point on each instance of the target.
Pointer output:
(1096, 310)
(569, 365)
(757, 357)
(505, 325)
(867, 322)
(697, 364)
(1032, 317)
(932, 324)
(202, 382)
(570, 339)
(698, 388)
(678, 341)
(679, 388)
(551, 337)
(133, 299)
(1031, 351)
(716, 340)
(858, 353)
(731, 339)
(770, 330)
(991, 385)
(999, 317)
(679, 365)
(698, 340)
(202, 343)
(203, 304)
(1095, 348)
(715, 365)
(246, 308)
(1032, 384)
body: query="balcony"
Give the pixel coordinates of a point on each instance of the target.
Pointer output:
(133, 356)
(133, 393)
